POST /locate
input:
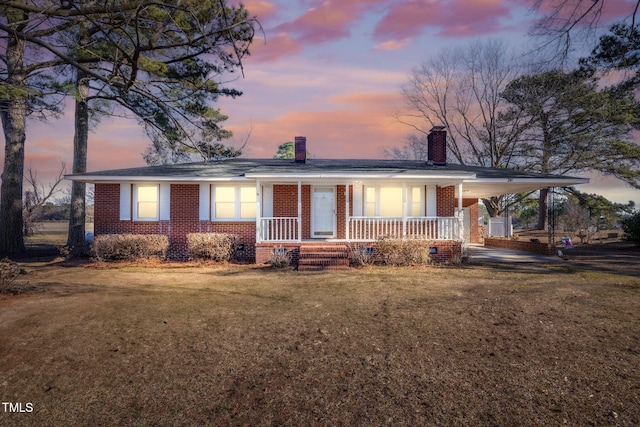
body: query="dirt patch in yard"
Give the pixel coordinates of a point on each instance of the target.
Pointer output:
(482, 345)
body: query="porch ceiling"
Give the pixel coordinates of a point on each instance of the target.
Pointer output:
(496, 187)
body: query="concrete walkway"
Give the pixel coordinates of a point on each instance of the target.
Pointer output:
(480, 254)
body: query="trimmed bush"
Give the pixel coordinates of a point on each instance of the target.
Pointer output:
(361, 255)
(213, 246)
(280, 258)
(130, 247)
(402, 252)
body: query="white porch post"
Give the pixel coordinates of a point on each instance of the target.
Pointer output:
(404, 210)
(258, 212)
(460, 214)
(346, 214)
(299, 211)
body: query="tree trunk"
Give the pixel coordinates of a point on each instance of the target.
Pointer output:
(493, 206)
(76, 237)
(542, 209)
(13, 113)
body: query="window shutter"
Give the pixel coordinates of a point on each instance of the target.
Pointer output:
(205, 202)
(357, 200)
(165, 202)
(267, 201)
(432, 201)
(125, 202)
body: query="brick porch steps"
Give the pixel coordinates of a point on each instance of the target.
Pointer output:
(323, 257)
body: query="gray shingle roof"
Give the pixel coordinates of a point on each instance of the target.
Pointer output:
(241, 167)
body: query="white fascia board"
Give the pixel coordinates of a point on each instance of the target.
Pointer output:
(551, 182)
(116, 179)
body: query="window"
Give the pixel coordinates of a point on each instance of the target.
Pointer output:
(233, 203)
(390, 201)
(416, 204)
(146, 198)
(370, 201)
(386, 201)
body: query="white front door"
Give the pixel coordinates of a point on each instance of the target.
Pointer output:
(323, 212)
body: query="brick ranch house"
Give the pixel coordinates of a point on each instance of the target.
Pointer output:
(301, 204)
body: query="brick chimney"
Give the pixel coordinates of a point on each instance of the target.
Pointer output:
(301, 149)
(437, 146)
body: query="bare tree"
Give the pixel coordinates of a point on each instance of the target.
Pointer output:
(37, 195)
(567, 22)
(461, 89)
(414, 148)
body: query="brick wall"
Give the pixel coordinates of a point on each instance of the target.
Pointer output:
(341, 208)
(437, 146)
(448, 251)
(264, 250)
(184, 211)
(184, 214)
(446, 202)
(285, 204)
(519, 245)
(107, 215)
(245, 232)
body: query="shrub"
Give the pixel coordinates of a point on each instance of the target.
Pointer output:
(360, 255)
(9, 272)
(214, 246)
(280, 258)
(130, 247)
(631, 228)
(402, 252)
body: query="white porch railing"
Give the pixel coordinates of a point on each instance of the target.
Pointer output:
(424, 228)
(279, 229)
(361, 228)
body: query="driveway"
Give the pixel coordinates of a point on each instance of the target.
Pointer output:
(481, 254)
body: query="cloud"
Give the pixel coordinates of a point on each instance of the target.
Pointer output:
(407, 19)
(367, 101)
(354, 125)
(263, 10)
(273, 48)
(328, 20)
(454, 18)
(393, 44)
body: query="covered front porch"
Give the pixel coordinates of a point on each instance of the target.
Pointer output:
(361, 211)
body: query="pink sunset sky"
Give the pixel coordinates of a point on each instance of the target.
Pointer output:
(330, 70)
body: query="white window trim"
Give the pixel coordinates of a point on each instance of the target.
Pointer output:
(408, 198)
(135, 202)
(237, 201)
(129, 202)
(411, 202)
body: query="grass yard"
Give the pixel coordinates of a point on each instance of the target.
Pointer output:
(237, 345)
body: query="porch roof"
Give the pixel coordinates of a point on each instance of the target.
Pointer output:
(477, 181)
